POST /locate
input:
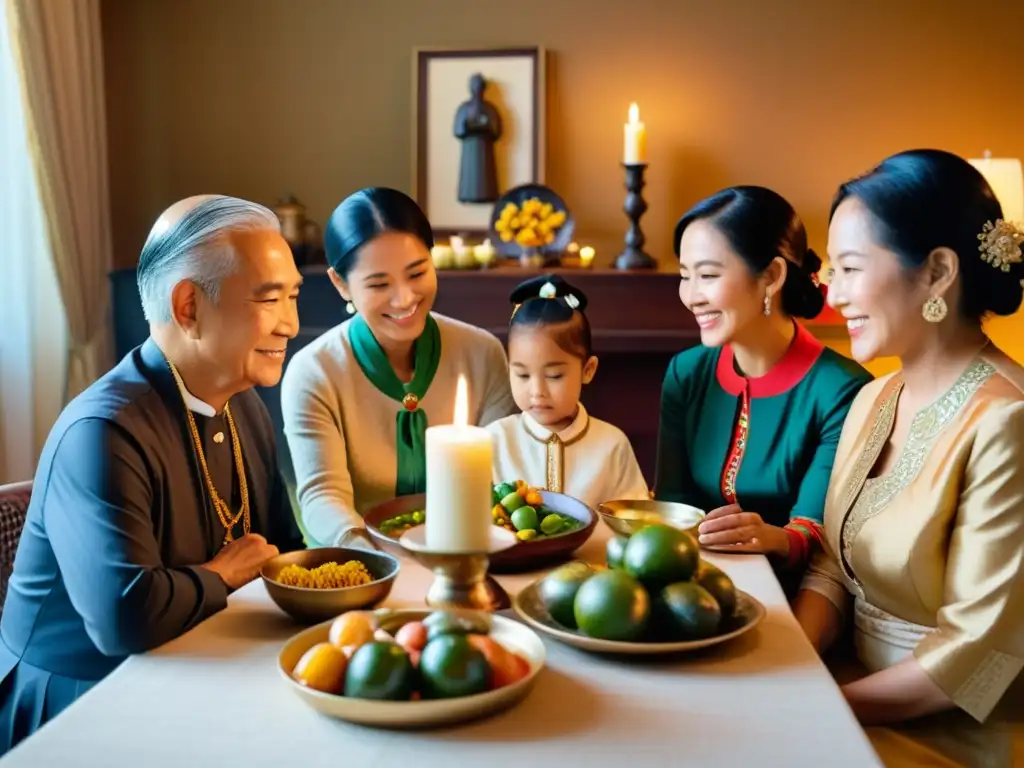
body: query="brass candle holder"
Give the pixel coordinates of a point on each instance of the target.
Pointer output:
(460, 578)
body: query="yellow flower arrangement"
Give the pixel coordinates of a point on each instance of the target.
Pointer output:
(532, 225)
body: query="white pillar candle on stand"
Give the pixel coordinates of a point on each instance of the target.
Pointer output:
(635, 138)
(459, 461)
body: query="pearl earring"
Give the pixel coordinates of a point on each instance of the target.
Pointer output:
(767, 305)
(350, 308)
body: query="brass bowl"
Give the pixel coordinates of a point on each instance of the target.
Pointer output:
(315, 605)
(627, 517)
(525, 555)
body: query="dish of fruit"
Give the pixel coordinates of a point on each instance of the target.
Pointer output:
(656, 595)
(406, 667)
(517, 508)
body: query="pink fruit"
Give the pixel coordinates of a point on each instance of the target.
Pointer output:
(412, 636)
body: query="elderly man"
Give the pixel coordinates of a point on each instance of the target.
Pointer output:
(158, 491)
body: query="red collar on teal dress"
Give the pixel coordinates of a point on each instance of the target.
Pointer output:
(802, 354)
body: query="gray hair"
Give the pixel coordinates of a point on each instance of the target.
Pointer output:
(194, 248)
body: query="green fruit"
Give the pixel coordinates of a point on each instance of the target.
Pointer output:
(451, 667)
(612, 605)
(524, 518)
(718, 583)
(552, 524)
(690, 611)
(381, 671)
(615, 550)
(558, 591)
(512, 502)
(504, 489)
(455, 623)
(495, 497)
(659, 555)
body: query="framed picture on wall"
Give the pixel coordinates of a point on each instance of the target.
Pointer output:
(478, 131)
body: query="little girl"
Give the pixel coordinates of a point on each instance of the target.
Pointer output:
(554, 444)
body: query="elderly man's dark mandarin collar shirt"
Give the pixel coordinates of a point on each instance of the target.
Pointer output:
(119, 524)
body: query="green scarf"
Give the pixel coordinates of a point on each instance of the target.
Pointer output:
(411, 421)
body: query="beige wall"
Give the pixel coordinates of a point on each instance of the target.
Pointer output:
(258, 98)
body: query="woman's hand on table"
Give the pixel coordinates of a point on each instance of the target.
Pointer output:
(240, 561)
(731, 528)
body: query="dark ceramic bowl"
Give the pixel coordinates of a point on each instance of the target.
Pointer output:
(525, 555)
(519, 195)
(315, 605)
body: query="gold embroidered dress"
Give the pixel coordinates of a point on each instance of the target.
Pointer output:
(932, 553)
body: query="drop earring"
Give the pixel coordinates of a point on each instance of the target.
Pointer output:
(767, 305)
(350, 308)
(935, 309)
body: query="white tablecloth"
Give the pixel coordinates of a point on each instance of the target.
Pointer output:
(214, 698)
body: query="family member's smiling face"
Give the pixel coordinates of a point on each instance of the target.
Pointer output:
(716, 285)
(246, 331)
(546, 379)
(393, 286)
(880, 300)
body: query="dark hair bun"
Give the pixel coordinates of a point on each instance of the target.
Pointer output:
(549, 287)
(801, 293)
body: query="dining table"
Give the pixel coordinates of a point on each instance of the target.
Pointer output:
(216, 697)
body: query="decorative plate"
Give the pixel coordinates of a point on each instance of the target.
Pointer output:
(528, 605)
(416, 714)
(513, 201)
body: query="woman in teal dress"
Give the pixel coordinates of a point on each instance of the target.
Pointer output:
(750, 420)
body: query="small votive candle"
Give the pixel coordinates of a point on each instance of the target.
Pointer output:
(485, 253)
(586, 256)
(443, 256)
(463, 254)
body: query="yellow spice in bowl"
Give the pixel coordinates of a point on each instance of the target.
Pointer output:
(326, 576)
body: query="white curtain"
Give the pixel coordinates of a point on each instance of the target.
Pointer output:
(58, 46)
(33, 326)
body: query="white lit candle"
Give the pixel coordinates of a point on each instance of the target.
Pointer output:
(459, 458)
(635, 151)
(586, 256)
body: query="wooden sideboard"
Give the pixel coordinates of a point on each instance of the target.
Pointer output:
(636, 319)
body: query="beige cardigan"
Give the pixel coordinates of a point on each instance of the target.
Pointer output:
(341, 429)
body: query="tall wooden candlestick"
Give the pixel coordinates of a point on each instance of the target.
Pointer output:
(634, 256)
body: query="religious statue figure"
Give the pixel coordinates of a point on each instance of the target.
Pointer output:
(478, 127)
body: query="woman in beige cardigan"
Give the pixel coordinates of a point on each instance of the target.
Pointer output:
(357, 400)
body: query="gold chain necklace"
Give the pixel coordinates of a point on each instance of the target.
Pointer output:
(223, 510)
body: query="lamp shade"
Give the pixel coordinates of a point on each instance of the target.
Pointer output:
(1006, 178)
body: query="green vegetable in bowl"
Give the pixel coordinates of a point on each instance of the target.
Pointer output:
(525, 519)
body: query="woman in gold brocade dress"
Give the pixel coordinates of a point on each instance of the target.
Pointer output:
(924, 520)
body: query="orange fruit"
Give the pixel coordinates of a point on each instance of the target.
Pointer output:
(352, 628)
(322, 668)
